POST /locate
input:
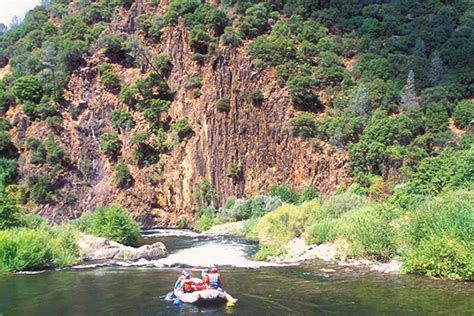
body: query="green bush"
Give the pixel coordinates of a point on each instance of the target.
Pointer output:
(193, 83)
(41, 188)
(110, 80)
(112, 44)
(110, 144)
(439, 239)
(122, 119)
(33, 249)
(277, 228)
(182, 127)
(111, 222)
(304, 125)
(205, 220)
(122, 177)
(257, 97)
(28, 88)
(285, 193)
(241, 209)
(163, 64)
(223, 105)
(463, 113)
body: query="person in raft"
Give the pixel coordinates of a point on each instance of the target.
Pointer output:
(184, 282)
(212, 278)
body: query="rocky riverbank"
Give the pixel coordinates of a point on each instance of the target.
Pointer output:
(95, 248)
(297, 251)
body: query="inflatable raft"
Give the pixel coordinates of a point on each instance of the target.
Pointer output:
(203, 297)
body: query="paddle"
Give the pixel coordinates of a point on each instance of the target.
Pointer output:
(230, 299)
(176, 301)
(169, 296)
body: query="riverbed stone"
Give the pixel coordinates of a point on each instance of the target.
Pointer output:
(98, 248)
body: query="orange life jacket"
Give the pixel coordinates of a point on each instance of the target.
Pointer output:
(188, 285)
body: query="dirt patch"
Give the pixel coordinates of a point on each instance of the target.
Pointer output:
(4, 71)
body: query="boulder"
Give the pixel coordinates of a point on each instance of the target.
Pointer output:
(98, 248)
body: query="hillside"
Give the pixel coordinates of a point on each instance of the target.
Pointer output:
(169, 106)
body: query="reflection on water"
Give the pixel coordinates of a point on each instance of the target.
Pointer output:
(295, 290)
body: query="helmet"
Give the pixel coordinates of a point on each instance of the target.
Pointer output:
(186, 274)
(214, 270)
(206, 270)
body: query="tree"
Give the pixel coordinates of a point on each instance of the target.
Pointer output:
(3, 28)
(359, 100)
(50, 61)
(304, 125)
(15, 22)
(437, 69)
(420, 49)
(408, 97)
(9, 211)
(27, 88)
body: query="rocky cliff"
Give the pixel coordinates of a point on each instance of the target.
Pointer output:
(256, 138)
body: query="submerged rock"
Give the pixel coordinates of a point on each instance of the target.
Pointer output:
(98, 248)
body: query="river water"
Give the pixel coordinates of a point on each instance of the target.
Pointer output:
(261, 289)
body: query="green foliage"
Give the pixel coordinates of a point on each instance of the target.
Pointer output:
(112, 44)
(55, 154)
(285, 193)
(38, 247)
(182, 127)
(41, 188)
(304, 125)
(302, 94)
(199, 39)
(233, 170)
(257, 97)
(8, 170)
(242, 209)
(463, 113)
(163, 64)
(205, 220)
(110, 80)
(448, 171)
(110, 144)
(230, 37)
(122, 119)
(440, 237)
(203, 194)
(144, 152)
(193, 83)
(111, 222)
(27, 88)
(122, 177)
(9, 212)
(223, 105)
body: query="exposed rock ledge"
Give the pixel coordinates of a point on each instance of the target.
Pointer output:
(98, 248)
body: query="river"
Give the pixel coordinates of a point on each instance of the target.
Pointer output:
(262, 289)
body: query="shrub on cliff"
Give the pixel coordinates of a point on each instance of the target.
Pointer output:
(110, 144)
(122, 119)
(122, 177)
(111, 222)
(223, 105)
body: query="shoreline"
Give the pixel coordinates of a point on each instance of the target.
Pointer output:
(298, 252)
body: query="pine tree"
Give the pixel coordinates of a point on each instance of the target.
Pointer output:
(359, 100)
(408, 97)
(420, 49)
(437, 69)
(3, 28)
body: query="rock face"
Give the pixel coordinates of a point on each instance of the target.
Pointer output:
(97, 248)
(254, 137)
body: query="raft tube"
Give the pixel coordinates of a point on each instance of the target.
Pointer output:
(203, 297)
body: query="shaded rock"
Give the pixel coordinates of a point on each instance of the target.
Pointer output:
(98, 248)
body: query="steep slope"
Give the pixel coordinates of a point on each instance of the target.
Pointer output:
(255, 138)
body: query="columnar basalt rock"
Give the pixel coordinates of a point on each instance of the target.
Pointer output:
(254, 137)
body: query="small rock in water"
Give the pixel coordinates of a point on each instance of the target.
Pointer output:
(327, 270)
